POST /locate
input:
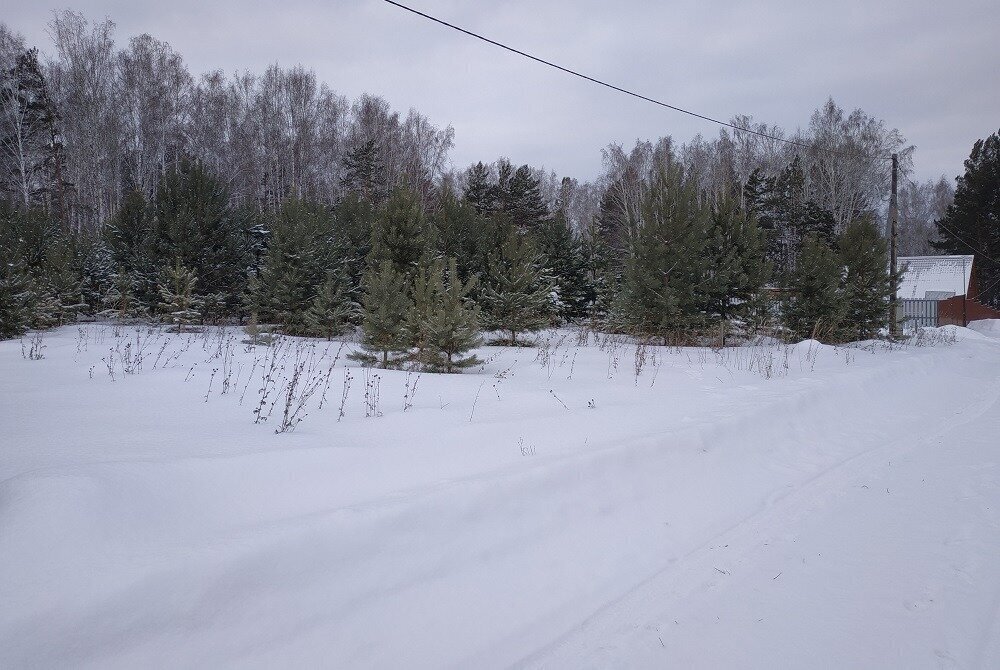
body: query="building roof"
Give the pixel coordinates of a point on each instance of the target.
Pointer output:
(934, 277)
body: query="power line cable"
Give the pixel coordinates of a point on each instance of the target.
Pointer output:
(621, 89)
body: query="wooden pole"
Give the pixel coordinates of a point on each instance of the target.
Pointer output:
(893, 224)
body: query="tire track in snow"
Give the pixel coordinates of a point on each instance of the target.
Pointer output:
(696, 572)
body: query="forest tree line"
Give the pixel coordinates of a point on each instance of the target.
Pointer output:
(129, 188)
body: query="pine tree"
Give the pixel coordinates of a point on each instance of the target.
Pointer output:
(868, 284)
(424, 288)
(972, 223)
(453, 323)
(737, 270)
(516, 298)
(179, 303)
(816, 307)
(398, 235)
(786, 214)
(663, 286)
(330, 312)
(386, 305)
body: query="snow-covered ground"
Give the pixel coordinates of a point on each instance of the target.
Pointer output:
(760, 507)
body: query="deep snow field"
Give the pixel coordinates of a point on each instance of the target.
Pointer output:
(584, 504)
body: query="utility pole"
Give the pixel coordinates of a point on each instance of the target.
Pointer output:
(893, 225)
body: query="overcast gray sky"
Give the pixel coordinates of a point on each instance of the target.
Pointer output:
(928, 67)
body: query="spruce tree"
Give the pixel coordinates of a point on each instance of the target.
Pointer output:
(868, 284)
(516, 297)
(458, 228)
(563, 260)
(972, 223)
(385, 340)
(46, 308)
(179, 304)
(62, 278)
(129, 238)
(15, 300)
(603, 273)
(502, 197)
(479, 191)
(98, 275)
(194, 222)
(524, 204)
(815, 308)
(364, 173)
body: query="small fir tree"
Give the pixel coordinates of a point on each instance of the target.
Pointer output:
(458, 228)
(523, 200)
(46, 308)
(98, 276)
(194, 221)
(300, 258)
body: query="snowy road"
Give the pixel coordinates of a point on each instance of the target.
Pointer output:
(844, 514)
(889, 559)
